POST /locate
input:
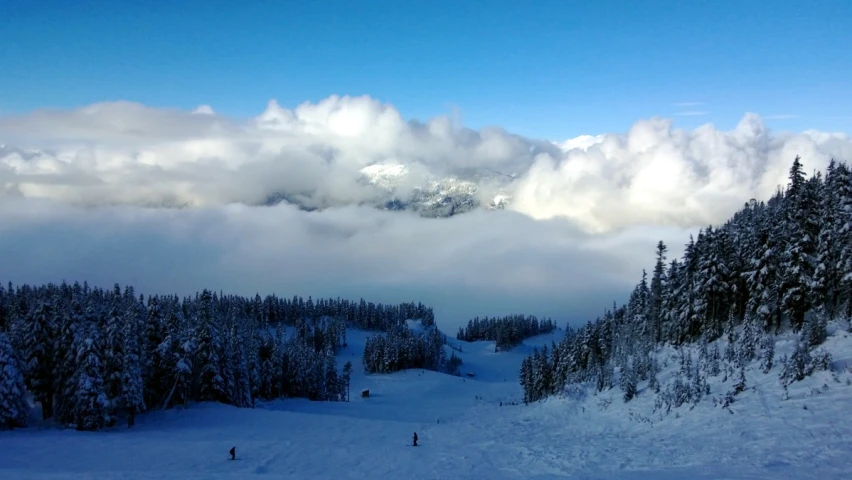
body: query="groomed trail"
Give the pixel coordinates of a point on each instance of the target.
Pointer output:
(464, 433)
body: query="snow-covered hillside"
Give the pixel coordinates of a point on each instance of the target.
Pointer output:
(464, 432)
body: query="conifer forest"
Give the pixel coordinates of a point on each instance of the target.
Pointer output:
(92, 357)
(781, 265)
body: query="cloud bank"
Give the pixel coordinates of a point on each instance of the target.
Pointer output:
(92, 193)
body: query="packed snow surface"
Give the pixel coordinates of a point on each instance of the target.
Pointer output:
(464, 433)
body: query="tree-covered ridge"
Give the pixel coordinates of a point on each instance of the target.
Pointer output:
(507, 331)
(403, 348)
(90, 356)
(784, 264)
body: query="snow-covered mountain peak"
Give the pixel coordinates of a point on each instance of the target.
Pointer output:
(384, 175)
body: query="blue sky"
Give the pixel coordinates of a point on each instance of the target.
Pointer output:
(551, 69)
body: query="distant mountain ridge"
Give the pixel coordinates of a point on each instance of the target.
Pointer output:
(397, 188)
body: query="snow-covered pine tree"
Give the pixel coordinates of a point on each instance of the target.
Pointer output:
(740, 384)
(182, 374)
(712, 283)
(827, 278)
(814, 331)
(210, 381)
(347, 377)
(4, 309)
(843, 229)
(749, 340)
(767, 352)
(541, 373)
(268, 386)
(132, 399)
(653, 381)
(66, 358)
(801, 229)
(671, 302)
(687, 320)
(698, 386)
(714, 367)
(332, 382)
(38, 373)
(252, 358)
(628, 381)
(241, 394)
(14, 409)
(743, 236)
(657, 293)
(731, 346)
(526, 376)
(156, 367)
(763, 279)
(113, 355)
(797, 366)
(603, 376)
(91, 404)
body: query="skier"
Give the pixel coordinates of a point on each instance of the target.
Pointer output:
(415, 439)
(233, 453)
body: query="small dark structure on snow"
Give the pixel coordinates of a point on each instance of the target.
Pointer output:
(470, 374)
(365, 393)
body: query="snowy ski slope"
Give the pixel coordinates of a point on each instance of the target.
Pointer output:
(464, 433)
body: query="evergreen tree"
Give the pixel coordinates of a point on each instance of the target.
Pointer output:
(347, 377)
(658, 280)
(764, 301)
(91, 403)
(767, 354)
(65, 364)
(749, 340)
(211, 383)
(628, 382)
(843, 237)
(712, 284)
(815, 327)
(114, 356)
(13, 405)
(798, 258)
(132, 386)
(39, 368)
(155, 363)
(827, 276)
(526, 375)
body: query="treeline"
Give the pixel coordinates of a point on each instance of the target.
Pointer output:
(507, 331)
(90, 357)
(362, 314)
(404, 348)
(781, 264)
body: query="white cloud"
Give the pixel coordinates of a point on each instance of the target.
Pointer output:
(658, 175)
(584, 217)
(204, 110)
(482, 263)
(583, 142)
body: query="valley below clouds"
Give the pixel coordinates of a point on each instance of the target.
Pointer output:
(347, 198)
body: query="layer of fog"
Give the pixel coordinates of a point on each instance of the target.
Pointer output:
(76, 189)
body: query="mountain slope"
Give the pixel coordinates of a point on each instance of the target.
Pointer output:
(397, 187)
(465, 433)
